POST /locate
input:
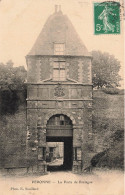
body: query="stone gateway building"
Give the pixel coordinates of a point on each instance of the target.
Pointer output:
(59, 95)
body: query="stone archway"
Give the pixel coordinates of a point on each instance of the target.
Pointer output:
(59, 125)
(59, 112)
(59, 128)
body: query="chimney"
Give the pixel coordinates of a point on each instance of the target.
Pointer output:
(56, 7)
(59, 8)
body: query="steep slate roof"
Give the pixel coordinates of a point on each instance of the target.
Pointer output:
(58, 29)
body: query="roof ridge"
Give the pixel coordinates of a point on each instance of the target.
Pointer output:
(58, 28)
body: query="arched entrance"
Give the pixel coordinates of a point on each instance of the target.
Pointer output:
(60, 134)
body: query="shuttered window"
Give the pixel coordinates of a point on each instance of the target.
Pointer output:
(59, 73)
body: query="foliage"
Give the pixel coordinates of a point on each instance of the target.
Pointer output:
(11, 82)
(112, 157)
(108, 125)
(117, 136)
(9, 102)
(12, 78)
(105, 70)
(112, 91)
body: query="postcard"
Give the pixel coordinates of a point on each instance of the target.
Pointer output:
(62, 97)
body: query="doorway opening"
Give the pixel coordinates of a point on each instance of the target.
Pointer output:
(62, 161)
(55, 153)
(59, 138)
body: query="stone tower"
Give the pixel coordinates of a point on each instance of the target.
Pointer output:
(59, 95)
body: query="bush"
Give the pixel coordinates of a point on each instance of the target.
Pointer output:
(121, 92)
(113, 158)
(11, 100)
(111, 91)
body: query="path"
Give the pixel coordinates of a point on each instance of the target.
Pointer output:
(65, 183)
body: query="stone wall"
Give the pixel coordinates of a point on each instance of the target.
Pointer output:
(76, 103)
(48, 91)
(77, 68)
(108, 117)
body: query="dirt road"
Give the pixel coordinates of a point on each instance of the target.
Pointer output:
(65, 183)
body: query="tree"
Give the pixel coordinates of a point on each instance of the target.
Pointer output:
(11, 81)
(105, 70)
(12, 78)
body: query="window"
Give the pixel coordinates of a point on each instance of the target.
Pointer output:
(59, 120)
(77, 153)
(59, 73)
(59, 48)
(51, 149)
(62, 121)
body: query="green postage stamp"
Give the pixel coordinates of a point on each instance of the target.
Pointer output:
(107, 17)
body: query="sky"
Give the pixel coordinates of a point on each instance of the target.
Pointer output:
(22, 21)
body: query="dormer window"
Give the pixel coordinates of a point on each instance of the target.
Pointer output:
(59, 72)
(59, 48)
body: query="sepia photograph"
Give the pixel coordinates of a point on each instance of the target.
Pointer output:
(62, 97)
